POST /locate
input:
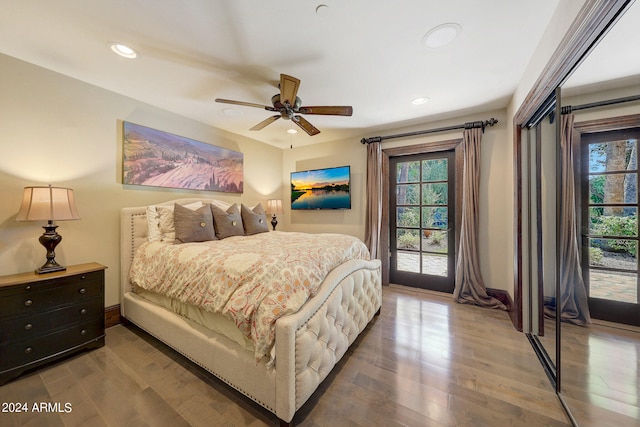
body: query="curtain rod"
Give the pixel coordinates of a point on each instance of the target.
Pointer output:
(468, 125)
(569, 109)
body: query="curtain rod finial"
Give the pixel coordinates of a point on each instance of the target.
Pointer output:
(371, 140)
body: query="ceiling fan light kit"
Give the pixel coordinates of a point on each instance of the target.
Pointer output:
(289, 107)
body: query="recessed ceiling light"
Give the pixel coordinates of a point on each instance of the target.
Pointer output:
(420, 101)
(292, 131)
(441, 35)
(231, 112)
(124, 50)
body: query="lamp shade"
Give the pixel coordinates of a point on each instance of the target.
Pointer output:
(274, 206)
(47, 204)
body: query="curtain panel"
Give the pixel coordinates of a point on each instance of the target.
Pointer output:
(373, 220)
(574, 305)
(469, 285)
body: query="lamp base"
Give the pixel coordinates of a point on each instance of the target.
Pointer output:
(274, 222)
(50, 268)
(50, 240)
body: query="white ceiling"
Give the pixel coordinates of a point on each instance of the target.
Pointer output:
(364, 53)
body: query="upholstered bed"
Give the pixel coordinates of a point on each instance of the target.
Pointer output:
(307, 343)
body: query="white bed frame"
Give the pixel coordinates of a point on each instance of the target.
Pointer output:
(309, 343)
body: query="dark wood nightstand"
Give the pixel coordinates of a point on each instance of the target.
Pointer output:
(44, 317)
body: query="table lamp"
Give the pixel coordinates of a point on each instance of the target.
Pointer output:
(48, 204)
(274, 206)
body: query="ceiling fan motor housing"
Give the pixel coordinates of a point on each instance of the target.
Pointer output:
(286, 110)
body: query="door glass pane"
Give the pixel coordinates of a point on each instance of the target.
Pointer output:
(435, 264)
(613, 253)
(613, 221)
(409, 262)
(435, 194)
(612, 156)
(408, 217)
(408, 194)
(613, 286)
(408, 172)
(435, 241)
(408, 239)
(434, 217)
(613, 188)
(434, 170)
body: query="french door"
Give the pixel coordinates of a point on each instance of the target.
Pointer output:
(422, 220)
(610, 183)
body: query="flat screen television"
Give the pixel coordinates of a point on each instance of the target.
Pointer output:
(328, 188)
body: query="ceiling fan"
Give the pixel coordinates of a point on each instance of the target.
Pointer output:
(289, 106)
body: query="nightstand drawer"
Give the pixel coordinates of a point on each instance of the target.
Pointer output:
(26, 352)
(30, 326)
(48, 295)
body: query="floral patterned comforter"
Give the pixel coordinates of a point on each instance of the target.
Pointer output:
(252, 280)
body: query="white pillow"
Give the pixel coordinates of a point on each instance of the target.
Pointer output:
(222, 205)
(160, 225)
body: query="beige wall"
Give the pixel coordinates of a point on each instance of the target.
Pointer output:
(338, 153)
(60, 131)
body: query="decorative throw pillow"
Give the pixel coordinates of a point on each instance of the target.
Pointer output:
(227, 223)
(160, 225)
(193, 226)
(254, 221)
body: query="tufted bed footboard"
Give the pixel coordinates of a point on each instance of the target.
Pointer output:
(308, 343)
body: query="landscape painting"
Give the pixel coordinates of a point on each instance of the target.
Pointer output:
(321, 189)
(160, 159)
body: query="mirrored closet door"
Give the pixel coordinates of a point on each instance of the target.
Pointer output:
(539, 197)
(566, 239)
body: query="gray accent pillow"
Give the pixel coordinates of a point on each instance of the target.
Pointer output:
(193, 226)
(227, 223)
(255, 221)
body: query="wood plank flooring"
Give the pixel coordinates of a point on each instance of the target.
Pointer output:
(425, 361)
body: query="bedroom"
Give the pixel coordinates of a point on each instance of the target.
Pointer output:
(59, 129)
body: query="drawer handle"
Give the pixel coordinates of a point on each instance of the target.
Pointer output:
(28, 303)
(82, 291)
(28, 350)
(82, 277)
(83, 332)
(83, 311)
(28, 326)
(28, 287)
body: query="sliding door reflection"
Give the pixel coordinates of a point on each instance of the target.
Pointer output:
(539, 153)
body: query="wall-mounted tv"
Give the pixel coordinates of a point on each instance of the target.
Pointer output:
(328, 188)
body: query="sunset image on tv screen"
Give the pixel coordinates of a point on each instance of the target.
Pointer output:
(321, 189)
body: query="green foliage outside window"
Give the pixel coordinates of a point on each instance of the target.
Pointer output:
(617, 226)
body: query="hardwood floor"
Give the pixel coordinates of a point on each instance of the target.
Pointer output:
(601, 374)
(425, 361)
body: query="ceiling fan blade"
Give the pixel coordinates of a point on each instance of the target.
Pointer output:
(265, 122)
(305, 125)
(288, 89)
(327, 110)
(246, 104)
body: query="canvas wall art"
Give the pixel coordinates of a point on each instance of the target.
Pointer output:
(160, 159)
